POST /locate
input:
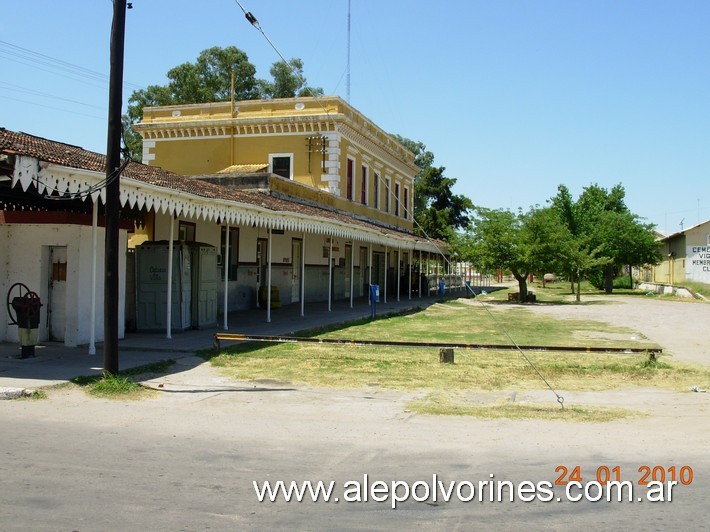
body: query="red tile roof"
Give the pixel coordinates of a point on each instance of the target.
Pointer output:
(12, 142)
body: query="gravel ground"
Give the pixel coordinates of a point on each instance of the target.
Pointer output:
(676, 325)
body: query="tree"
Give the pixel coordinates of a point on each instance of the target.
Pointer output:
(548, 240)
(499, 244)
(209, 79)
(288, 81)
(600, 220)
(524, 243)
(438, 212)
(580, 259)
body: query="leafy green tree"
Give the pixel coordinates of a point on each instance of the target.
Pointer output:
(548, 240)
(600, 220)
(423, 158)
(209, 79)
(288, 81)
(151, 96)
(523, 243)
(499, 243)
(438, 212)
(579, 259)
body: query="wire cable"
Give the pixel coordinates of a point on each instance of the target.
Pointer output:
(254, 22)
(56, 66)
(33, 92)
(83, 194)
(560, 399)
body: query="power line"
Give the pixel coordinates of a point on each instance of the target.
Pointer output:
(83, 194)
(406, 210)
(55, 66)
(34, 92)
(254, 22)
(52, 108)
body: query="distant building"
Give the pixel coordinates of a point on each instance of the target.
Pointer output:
(686, 256)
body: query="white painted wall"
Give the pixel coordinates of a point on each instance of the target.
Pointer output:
(697, 257)
(242, 292)
(4, 279)
(24, 254)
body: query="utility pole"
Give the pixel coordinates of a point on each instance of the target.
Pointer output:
(113, 163)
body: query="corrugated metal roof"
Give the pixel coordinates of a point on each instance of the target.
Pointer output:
(245, 168)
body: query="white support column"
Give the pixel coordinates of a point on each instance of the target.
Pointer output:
(330, 274)
(169, 312)
(268, 281)
(387, 256)
(396, 271)
(409, 282)
(352, 272)
(225, 261)
(94, 231)
(369, 263)
(369, 269)
(303, 274)
(421, 272)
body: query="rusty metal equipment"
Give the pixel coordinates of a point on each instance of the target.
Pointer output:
(23, 308)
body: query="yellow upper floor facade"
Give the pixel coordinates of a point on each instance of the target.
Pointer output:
(331, 153)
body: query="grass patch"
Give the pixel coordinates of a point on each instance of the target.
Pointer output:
(699, 288)
(419, 368)
(462, 321)
(114, 386)
(446, 405)
(467, 321)
(122, 385)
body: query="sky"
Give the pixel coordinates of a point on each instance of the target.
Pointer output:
(513, 97)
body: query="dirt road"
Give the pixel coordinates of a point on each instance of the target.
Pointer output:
(187, 459)
(680, 327)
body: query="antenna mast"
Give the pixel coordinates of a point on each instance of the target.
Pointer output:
(347, 78)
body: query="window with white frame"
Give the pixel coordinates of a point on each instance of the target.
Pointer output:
(281, 164)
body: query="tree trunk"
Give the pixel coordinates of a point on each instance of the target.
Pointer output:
(522, 287)
(579, 288)
(609, 279)
(631, 278)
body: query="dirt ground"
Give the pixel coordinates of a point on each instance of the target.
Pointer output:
(678, 326)
(203, 429)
